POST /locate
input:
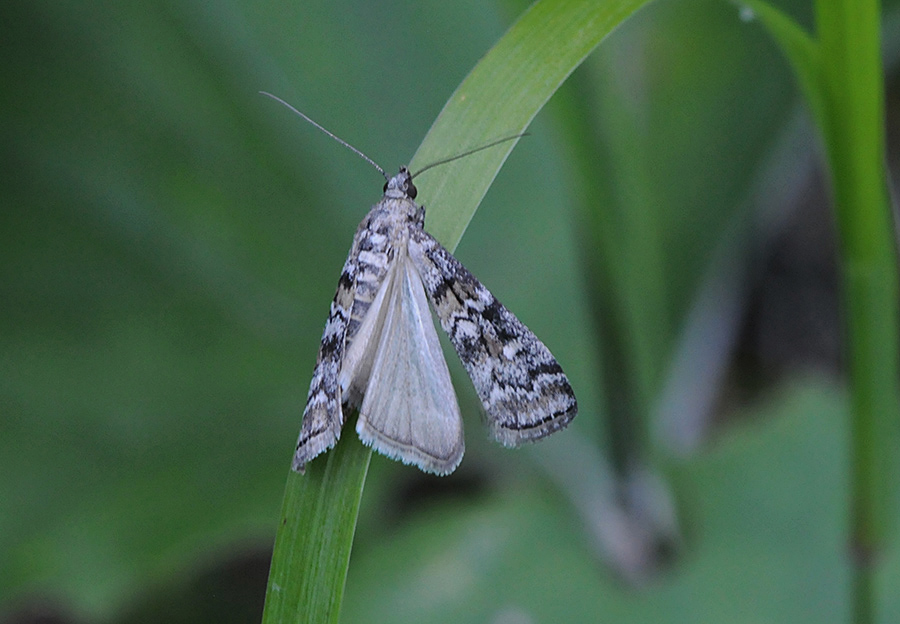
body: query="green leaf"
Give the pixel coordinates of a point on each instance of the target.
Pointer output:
(500, 97)
(312, 547)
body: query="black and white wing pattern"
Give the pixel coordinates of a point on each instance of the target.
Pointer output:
(524, 391)
(380, 352)
(361, 278)
(323, 417)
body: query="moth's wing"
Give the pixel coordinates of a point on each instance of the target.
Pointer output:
(524, 391)
(323, 416)
(410, 411)
(347, 333)
(361, 347)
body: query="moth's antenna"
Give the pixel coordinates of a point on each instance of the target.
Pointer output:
(444, 161)
(334, 136)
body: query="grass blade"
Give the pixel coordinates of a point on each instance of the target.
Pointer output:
(501, 96)
(312, 545)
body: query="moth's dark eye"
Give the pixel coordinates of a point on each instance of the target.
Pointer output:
(411, 191)
(384, 189)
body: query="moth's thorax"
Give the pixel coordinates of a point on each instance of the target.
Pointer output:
(391, 219)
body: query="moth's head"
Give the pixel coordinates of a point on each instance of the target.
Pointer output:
(401, 185)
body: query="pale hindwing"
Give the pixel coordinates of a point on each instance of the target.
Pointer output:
(524, 391)
(323, 416)
(410, 411)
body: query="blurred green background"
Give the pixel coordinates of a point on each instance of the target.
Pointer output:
(171, 241)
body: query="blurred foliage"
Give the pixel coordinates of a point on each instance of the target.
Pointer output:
(170, 241)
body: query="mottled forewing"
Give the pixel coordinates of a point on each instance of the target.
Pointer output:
(525, 393)
(323, 416)
(374, 246)
(362, 275)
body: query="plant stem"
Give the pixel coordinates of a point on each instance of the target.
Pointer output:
(853, 95)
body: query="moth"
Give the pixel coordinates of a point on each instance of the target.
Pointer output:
(380, 351)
